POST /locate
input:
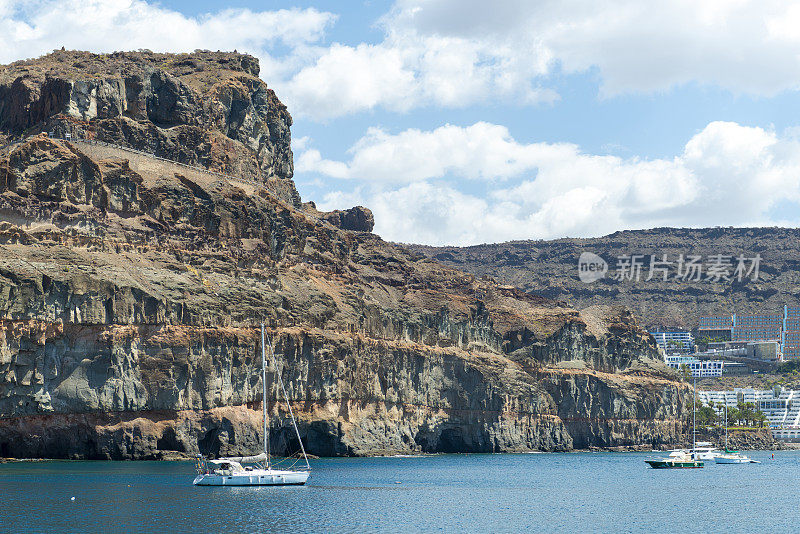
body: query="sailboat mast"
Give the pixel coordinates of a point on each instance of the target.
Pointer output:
(726, 424)
(694, 414)
(289, 406)
(264, 392)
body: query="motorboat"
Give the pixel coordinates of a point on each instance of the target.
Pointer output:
(703, 451)
(682, 461)
(734, 458)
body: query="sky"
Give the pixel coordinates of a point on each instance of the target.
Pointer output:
(461, 122)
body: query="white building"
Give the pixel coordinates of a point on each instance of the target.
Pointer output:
(781, 408)
(733, 397)
(699, 368)
(674, 342)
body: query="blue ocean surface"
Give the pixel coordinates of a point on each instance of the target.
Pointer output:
(567, 492)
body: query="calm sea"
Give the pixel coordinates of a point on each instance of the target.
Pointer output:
(576, 492)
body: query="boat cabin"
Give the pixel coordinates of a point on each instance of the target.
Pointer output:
(225, 467)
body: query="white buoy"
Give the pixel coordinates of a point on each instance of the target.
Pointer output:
(72, 499)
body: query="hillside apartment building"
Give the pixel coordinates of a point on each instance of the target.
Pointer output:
(783, 328)
(780, 406)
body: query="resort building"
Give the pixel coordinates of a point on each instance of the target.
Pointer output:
(717, 327)
(790, 344)
(781, 328)
(674, 342)
(781, 407)
(757, 328)
(699, 368)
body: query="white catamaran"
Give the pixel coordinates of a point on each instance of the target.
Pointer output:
(230, 472)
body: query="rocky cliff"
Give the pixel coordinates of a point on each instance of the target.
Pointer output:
(131, 290)
(207, 108)
(550, 268)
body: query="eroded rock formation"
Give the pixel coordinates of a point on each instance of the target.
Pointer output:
(206, 108)
(131, 292)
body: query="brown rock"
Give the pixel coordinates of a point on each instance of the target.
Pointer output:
(131, 290)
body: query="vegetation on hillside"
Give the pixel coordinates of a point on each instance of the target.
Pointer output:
(744, 414)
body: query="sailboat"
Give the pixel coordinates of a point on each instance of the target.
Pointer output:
(683, 459)
(732, 457)
(231, 472)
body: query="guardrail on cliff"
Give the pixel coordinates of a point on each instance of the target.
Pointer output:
(203, 170)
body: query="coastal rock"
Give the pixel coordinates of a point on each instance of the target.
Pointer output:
(739, 440)
(358, 219)
(131, 290)
(207, 108)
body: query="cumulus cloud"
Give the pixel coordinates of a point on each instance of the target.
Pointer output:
(30, 29)
(727, 174)
(745, 45)
(447, 53)
(456, 53)
(480, 151)
(407, 71)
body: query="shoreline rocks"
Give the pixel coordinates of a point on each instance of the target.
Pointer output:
(131, 290)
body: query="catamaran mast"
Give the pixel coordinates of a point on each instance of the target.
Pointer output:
(264, 392)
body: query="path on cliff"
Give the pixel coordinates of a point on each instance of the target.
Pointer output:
(149, 164)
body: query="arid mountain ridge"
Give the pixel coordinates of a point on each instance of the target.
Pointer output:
(131, 290)
(550, 268)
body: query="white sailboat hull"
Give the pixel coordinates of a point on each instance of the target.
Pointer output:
(230, 472)
(256, 477)
(734, 460)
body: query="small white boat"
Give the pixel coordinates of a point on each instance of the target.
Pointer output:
(231, 472)
(734, 458)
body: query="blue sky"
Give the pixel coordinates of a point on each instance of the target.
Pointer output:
(460, 122)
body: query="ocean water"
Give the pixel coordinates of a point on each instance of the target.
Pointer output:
(572, 492)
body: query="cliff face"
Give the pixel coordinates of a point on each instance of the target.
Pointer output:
(131, 290)
(206, 108)
(550, 268)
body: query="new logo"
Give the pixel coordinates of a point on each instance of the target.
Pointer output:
(591, 267)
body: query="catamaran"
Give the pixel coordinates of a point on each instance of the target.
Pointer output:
(732, 457)
(231, 472)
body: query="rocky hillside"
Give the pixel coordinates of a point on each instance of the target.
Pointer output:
(206, 108)
(550, 268)
(131, 290)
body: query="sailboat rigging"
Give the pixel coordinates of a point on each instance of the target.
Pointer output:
(732, 457)
(683, 459)
(230, 472)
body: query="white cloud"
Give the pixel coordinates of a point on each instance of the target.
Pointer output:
(727, 174)
(456, 53)
(311, 161)
(744, 45)
(447, 53)
(405, 72)
(30, 29)
(480, 151)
